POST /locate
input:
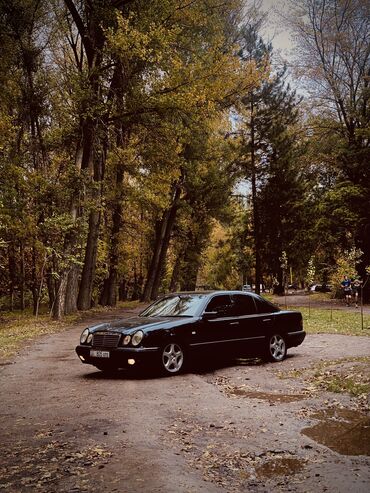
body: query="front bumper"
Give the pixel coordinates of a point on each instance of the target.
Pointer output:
(118, 357)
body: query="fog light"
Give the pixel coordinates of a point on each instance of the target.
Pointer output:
(131, 361)
(81, 357)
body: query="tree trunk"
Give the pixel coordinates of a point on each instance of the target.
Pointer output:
(88, 272)
(12, 274)
(110, 285)
(165, 244)
(71, 291)
(159, 237)
(50, 283)
(163, 234)
(174, 284)
(103, 299)
(256, 223)
(22, 277)
(197, 240)
(60, 298)
(93, 39)
(137, 287)
(122, 290)
(34, 284)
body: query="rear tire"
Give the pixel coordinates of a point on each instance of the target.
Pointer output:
(276, 348)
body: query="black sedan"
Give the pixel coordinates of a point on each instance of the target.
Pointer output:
(181, 327)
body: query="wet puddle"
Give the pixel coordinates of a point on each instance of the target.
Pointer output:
(283, 466)
(344, 431)
(240, 392)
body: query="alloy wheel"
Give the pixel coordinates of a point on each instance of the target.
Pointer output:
(277, 348)
(172, 358)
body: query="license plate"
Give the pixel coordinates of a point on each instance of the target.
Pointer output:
(99, 354)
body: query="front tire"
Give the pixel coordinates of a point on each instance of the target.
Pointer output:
(172, 358)
(276, 348)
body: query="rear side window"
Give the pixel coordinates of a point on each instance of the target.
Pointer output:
(243, 305)
(220, 304)
(264, 306)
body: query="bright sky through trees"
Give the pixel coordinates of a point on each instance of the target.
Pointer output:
(275, 30)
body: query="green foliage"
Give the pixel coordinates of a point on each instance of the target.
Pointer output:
(109, 108)
(329, 34)
(311, 272)
(346, 264)
(228, 261)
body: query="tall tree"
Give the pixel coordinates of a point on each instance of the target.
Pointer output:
(253, 49)
(24, 156)
(333, 57)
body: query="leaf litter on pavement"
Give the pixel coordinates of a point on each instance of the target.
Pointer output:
(42, 463)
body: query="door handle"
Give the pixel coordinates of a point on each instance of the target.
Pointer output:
(234, 323)
(266, 320)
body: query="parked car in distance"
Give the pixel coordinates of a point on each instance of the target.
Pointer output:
(179, 328)
(247, 287)
(321, 288)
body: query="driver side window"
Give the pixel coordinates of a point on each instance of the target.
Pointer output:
(220, 304)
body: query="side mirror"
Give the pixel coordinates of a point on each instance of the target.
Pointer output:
(209, 315)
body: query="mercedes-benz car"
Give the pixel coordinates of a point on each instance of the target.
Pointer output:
(181, 327)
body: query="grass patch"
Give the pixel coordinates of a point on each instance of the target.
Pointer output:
(349, 385)
(348, 375)
(18, 328)
(321, 320)
(345, 375)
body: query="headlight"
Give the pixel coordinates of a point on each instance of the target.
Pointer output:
(126, 340)
(84, 336)
(137, 338)
(89, 338)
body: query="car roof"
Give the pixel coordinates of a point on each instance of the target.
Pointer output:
(210, 292)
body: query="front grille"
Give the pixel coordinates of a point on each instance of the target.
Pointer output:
(105, 340)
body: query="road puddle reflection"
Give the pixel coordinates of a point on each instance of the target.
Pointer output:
(342, 430)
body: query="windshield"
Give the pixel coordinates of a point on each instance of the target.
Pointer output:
(175, 306)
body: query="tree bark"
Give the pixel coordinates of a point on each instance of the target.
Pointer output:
(197, 239)
(59, 302)
(111, 284)
(34, 286)
(93, 40)
(256, 222)
(137, 286)
(122, 290)
(12, 274)
(163, 234)
(88, 272)
(165, 244)
(51, 288)
(22, 278)
(71, 291)
(160, 232)
(174, 284)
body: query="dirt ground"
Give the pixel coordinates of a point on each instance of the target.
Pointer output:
(247, 426)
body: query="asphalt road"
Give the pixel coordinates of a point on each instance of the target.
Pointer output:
(65, 427)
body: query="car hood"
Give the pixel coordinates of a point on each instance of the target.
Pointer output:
(130, 325)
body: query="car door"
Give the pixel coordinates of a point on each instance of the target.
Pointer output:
(248, 332)
(267, 313)
(214, 334)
